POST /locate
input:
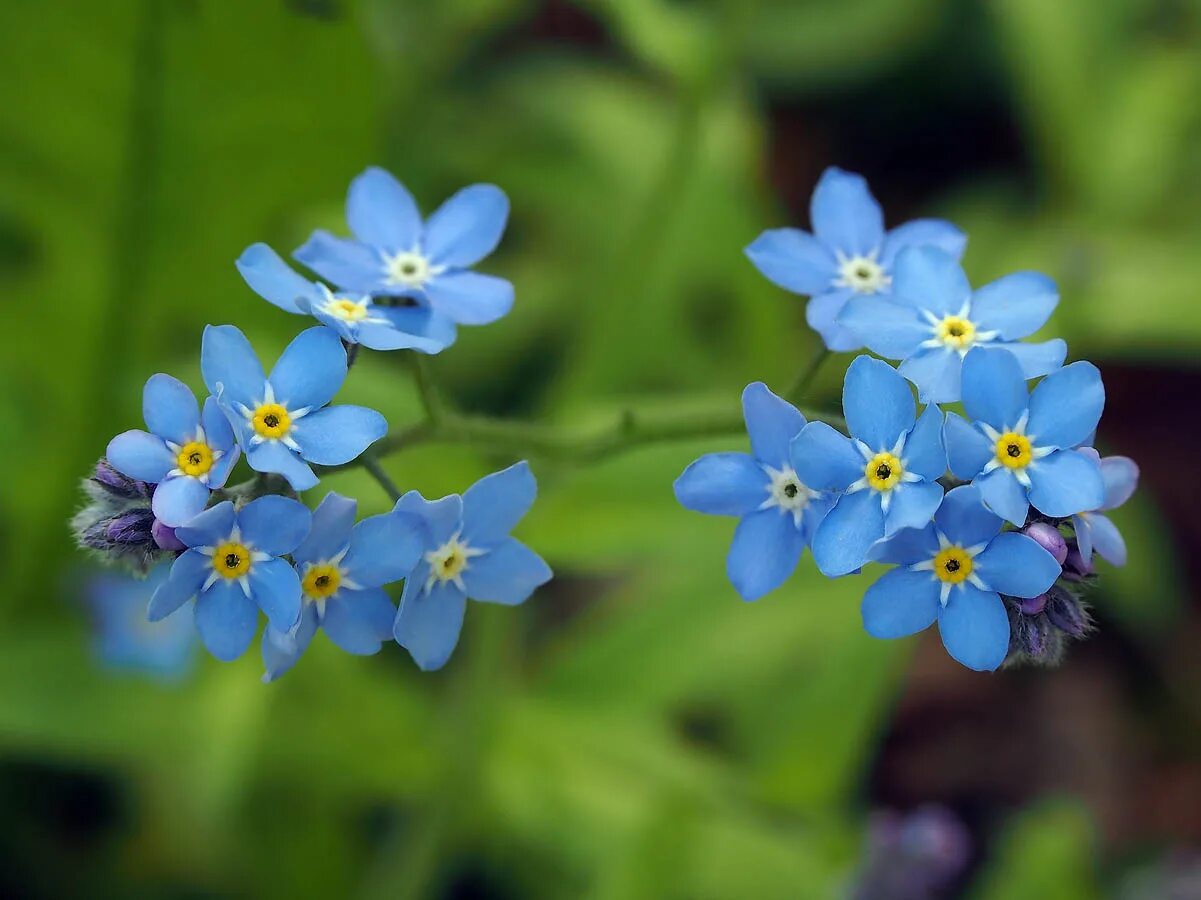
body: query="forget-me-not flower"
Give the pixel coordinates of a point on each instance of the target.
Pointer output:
(777, 512)
(395, 254)
(1018, 450)
(125, 639)
(470, 554)
(933, 319)
(342, 569)
(356, 318)
(1095, 531)
(233, 569)
(887, 471)
(284, 421)
(185, 454)
(849, 253)
(953, 572)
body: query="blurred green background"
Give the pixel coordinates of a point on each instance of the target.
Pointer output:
(634, 731)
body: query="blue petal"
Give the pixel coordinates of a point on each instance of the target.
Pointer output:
(902, 602)
(358, 621)
(912, 506)
(935, 372)
(1003, 494)
(281, 649)
(964, 518)
(385, 548)
(766, 549)
(310, 371)
(272, 456)
(1016, 306)
(421, 321)
(230, 367)
(824, 459)
(329, 533)
(508, 573)
(722, 484)
(139, 455)
(1066, 406)
(211, 527)
(844, 213)
(885, 326)
(219, 436)
(924, 453)
(926, 278)
(937, 233)
(877, 402)
(994, 388)
(975, 628)
(793, 259)
(1084, 536)
(170, 409)
(381, 212)
(822, 313)
(847, 533)
(443, 516)
(1036, 360)
(1016, 565)
(1120, 474)
(1065, 483)
(348, 264)
(1107, 540)
(275, 587)
(428, 624)
(226, 620)
(907, 546)
(968, 450)
(273, 279)
(275, 524)
(179, 499)
(381, 336)
(497, 502)
(188, 574)
(467, 227)
(469, 298)
(771, 423)
(337, 434)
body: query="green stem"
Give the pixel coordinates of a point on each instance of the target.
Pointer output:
(372, 465)
(431, 401)
(800, 387)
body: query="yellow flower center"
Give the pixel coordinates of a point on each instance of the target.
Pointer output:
(956, 331)
(1013, 450)
(271, 421)
(231, 560)
(448, 562)
(953, 565)
(348, 310)
(194, 458)
(884, 471)
(321, 581)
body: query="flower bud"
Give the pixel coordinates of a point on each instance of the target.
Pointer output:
(131, 527)
(1032, 606)
(164, 537)
(1074, 566)
(1048, 537)
(118, 485)
(1067, 613)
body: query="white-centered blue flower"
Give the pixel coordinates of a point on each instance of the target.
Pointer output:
(933, 319)
(1096, 531)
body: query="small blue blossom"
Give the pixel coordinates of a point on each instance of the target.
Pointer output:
(887, 471)
(356, 318)
(186, 453)
(1018, 450)
(233, 569)
(1095, 531)
(342, 569)
(848, 255)
(125, 639)
(933, 319)
(395, 254)
(777, 512)
(470, 554)
(284, 422)
(953, 571)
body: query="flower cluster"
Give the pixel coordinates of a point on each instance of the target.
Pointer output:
(162, 494)
(990, 520)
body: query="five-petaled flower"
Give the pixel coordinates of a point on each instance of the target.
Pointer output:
(933, 319)
(233, 568)
(777, 511)
(395, 254)
(887, 471)
(953, 571)
(283, 422)
(1019, 449)
(342, 569)
(1095, 531)
(186, 453)
(848, 255)
(470, 554)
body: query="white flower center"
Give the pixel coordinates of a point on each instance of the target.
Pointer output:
(862, 274)
(449, 562)
(787, 492)
(409, 269)
(955, 331)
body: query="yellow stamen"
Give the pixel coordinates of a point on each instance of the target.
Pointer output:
(953, 565)
(884, 471)
(348, 310)
(271, 420)
(1013, 450)
(321, 581)
(194, 459)
(231, 560)
(956, 331)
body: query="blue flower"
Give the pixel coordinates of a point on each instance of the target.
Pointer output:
(953, 571)
(1095, 531)
(124, 639)
(395, 254)
(284, 421)
(887, 471)
(355, 317)
(342, 569)
(470, 555)
(777, 512)
(186, 454)
(1018, 451)
(933, 319)
(233, 569)
(849, 254)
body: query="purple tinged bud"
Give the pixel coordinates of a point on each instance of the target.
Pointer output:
(118, 485)
(132, 527)
(1067, 613)
(1074, 566)
(1049, 538)
(164, 537)
(1032, 606)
